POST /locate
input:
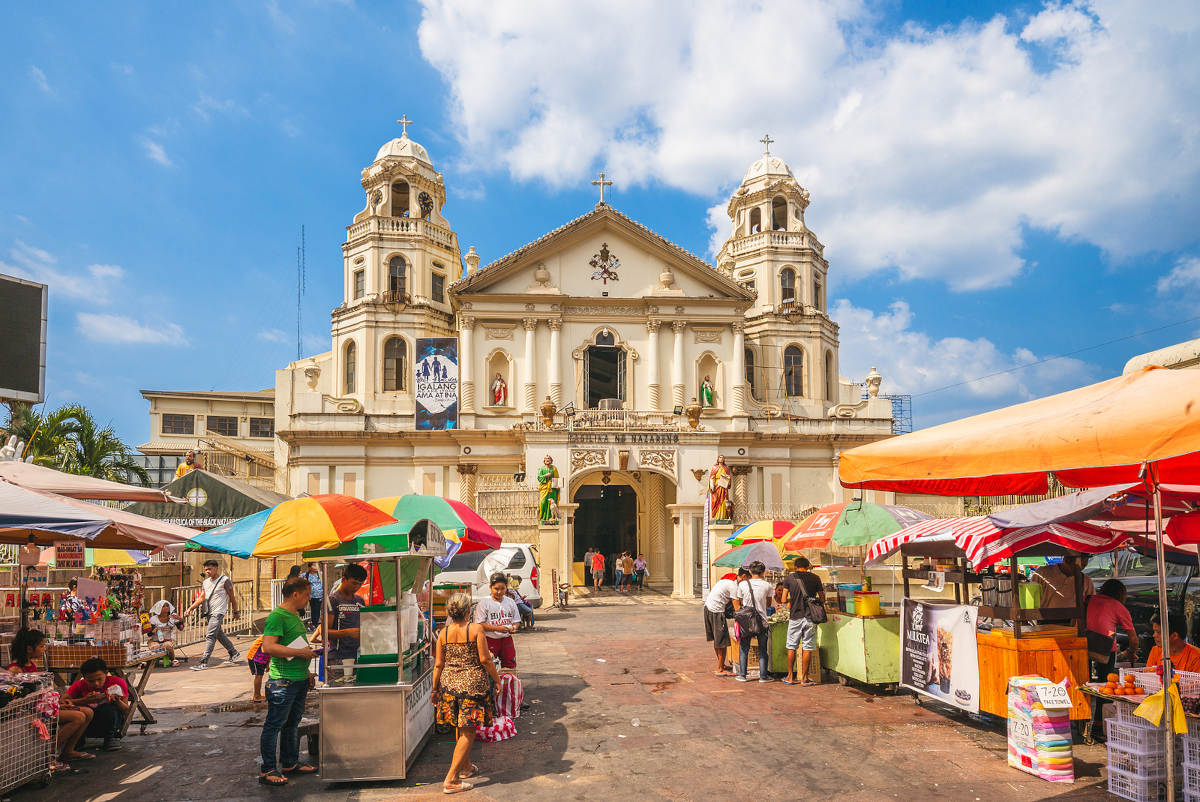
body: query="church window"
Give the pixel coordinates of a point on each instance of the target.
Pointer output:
(178, 424)
(793, 371)
(225, 425)
(779, 213)
(360, 283)
(818, 294)
(437, 288)
(400, 199)
(350, 372)
(395, 365)
(397, 278)
(830, 379)
(262, 427)
(787, 286)
(755, 221)
(750, 372)
(426, 203)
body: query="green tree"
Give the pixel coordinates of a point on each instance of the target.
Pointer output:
(46, 435)
(94, 450)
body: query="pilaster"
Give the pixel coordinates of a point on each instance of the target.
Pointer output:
(466, 370)
(652, 374)
(677, 388)
(529, 382)
(555, 325)
(466, 483)
(684, 552)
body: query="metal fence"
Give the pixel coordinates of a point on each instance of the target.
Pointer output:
(194, 626)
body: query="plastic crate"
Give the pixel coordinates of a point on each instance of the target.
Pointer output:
(1146, 677)
(1189, 746)
(1190, 773)
(1147, 765)
(1138, 789)
(1142, 739)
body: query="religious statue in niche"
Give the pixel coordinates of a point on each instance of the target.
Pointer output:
(706, 392)
(720, 508)
(548, 487)
(499, 392)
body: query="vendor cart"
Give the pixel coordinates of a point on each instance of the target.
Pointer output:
(376, 712)
(1055, 652)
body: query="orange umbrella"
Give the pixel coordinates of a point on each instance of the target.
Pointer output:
(1095, 435)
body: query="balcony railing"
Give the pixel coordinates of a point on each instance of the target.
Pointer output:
(778, 239)
(613, 420)
(404, 226)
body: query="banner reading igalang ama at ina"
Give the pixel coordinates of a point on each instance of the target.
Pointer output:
(436, 383)
(938, 653)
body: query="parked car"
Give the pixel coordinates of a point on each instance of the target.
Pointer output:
(1139, 573)
(515, 559)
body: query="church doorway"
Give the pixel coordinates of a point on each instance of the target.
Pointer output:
(606, 519)
(605, 372)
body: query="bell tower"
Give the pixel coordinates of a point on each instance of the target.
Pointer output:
(399, 259)
(791, 343)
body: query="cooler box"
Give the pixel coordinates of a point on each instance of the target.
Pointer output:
(385, 675)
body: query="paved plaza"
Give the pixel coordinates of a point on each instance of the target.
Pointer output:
(622, 703)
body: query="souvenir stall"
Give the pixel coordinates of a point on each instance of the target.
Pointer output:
(392, 677)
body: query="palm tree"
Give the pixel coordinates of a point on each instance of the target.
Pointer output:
(45, 435)
(97, 451)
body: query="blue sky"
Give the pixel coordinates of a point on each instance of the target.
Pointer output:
(995, 183)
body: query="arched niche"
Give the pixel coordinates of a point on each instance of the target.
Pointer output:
(710, 366)
(499, 362)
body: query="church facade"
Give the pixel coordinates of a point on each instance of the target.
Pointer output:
(628, 361)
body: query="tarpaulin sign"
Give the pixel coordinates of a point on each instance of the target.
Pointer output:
(436, 383)
(938, 653)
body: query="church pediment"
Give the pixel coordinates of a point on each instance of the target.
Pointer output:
(602, 254)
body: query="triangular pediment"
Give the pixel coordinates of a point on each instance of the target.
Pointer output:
(602, 252)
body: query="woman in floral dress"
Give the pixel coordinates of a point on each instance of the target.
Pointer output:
(461, 690)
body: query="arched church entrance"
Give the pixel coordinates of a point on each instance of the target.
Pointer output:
(625, 511)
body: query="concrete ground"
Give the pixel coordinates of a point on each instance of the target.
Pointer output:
(622, 703)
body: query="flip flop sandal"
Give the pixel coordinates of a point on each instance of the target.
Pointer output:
(470, 773)
(278, 782)
(457, 789)
(788, 682)
(807, 684)
(305, 769)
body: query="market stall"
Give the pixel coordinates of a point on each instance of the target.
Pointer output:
(391, 680)
(26, 745)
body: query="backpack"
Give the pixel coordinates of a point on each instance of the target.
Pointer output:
(749, 622)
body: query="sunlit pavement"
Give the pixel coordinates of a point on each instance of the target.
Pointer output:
(622, 705)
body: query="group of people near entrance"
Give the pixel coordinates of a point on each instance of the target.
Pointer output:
(628, 573)
(751, 590)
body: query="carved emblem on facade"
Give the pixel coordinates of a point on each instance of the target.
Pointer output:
(707, 335)
(349, 405)
(604, 265)
(498, 334)
(584, 458)
(663, 459)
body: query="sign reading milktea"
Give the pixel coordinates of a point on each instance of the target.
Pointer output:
(436, 383)
(938, 654)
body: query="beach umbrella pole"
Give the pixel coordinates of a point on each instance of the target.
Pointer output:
(1166, 637)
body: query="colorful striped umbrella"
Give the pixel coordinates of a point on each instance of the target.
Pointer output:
(459, 523)
(760, 531)
(744, 555)
(853, 523)
(313, 522)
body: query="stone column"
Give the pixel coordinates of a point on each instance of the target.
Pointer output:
(654, 507)
(466, 483)
(685, 555)
(529, 380)
(561, 554)
(555, 325)
(652, 366)
(677, 388)
(466, 365)
(737, 381)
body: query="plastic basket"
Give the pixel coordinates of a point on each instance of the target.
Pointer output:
(1148, 765)
(1142, 739)
(1190, 772)
(1146, 677)
(1124, 713)
(1138, 789)
(1189, 747)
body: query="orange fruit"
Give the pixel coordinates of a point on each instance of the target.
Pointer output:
(1139, 690)
(1112, 678)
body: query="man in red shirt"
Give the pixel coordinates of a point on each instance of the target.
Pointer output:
(107, 695)
(597, 569)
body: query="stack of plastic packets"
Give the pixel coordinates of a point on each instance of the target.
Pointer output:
(1039, 740)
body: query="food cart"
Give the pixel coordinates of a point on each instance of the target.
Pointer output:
(1054, 652)
(376, 712)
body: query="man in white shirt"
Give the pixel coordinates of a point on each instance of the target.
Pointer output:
(756, 593)
(715, 628)
(498, 615)
(217, 590)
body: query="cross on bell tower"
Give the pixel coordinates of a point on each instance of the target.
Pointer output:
(600, 182)
(766, 140)
(404, 123)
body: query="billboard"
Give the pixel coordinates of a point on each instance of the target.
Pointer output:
(938, 656)
(436, 383)
(22, 340)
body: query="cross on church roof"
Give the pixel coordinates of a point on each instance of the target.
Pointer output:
(602, 184)
(766, 140)
(404, 123)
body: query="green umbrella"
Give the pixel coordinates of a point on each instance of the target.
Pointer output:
(744, 555)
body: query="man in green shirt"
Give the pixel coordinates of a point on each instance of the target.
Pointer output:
(285, 641)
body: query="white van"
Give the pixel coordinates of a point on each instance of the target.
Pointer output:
(514, 559)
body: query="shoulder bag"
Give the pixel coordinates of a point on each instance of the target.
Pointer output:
(812, 605)
(749, 622)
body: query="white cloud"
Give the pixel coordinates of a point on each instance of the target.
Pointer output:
(156, 152)
(123, 69)
(39, 79)
(913, 362)
(94, 283)
(274, 335)
(207, 106)
(279, 18)
(23, 219)
(926, 151)
(1184, 277)
(122, 330)
(291, 129)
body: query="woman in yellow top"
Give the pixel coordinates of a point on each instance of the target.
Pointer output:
(1184, 656)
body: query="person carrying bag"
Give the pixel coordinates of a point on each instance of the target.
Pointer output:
(752, 621)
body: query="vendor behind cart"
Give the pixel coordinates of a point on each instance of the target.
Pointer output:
(1058, 589)
(342, 622)
(1184, 656)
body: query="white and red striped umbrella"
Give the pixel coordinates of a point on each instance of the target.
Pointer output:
(985, 544)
